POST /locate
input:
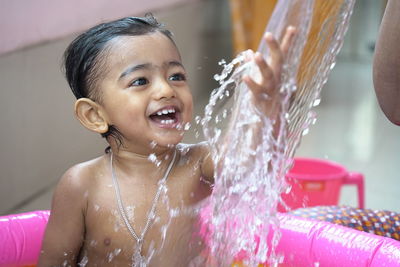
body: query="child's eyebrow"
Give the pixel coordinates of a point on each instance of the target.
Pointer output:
(175, 63)
(134, 68)
(149, 66)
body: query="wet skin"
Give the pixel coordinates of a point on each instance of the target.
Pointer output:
(107, 241)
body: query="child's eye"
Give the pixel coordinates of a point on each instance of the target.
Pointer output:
(139, 82)
(177, 77)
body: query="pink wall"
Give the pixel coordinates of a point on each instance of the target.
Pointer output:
(27, 22)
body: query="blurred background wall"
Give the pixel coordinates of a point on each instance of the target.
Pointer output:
(24, 23)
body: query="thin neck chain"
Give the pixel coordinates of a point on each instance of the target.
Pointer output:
(152, 211)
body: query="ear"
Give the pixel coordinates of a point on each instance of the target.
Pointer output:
(91, 115)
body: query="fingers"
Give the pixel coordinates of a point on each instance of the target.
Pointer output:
(254, 87)
(270, 69)
(268, 80)
(266, 71)
(278, 51)
(288, 39)
(276, 57)
(266, 83)
(267, 87)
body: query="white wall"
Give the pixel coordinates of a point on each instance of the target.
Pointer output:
(27, 22)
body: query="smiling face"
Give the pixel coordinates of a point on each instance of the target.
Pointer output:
(144, 92)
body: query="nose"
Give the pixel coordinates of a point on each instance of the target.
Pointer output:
(164, 90)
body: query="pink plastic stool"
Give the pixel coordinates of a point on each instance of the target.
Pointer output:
(317, 182)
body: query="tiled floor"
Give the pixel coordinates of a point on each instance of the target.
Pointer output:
(350, 130)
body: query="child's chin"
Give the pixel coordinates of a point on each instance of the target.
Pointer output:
(169, 141)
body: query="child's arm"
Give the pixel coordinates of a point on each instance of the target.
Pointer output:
(386, 66)
(265, 92)
(65, 229)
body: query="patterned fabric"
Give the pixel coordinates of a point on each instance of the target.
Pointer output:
(379, 222)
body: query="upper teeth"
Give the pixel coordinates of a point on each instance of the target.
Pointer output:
(165, 111)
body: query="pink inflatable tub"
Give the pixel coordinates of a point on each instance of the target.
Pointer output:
(304, 243)
(21, 237)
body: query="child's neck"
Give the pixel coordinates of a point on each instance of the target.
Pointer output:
(152, 161)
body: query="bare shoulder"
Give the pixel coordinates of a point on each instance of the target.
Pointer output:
(195, 152)
(66, 227)
(200, 156)
(79, 177)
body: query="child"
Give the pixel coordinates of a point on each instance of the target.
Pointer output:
(131, 88)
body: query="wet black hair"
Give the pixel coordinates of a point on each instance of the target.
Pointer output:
(83, 59)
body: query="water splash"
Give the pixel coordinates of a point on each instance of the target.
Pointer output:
(153, 144)
(84, 261)
(187, 126)
(251, 162)
(153, 158)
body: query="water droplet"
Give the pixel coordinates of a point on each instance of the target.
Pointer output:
(316, 102)
(84, 261)
(222, 62)
(313, 121)
(153, 144)
(174, 213)
(153, 158)
(288, 189)
(224, 113)
(187, 126)
(197, 119)
(184, 150)
(179, 126)
(117, 251)
(110, 256)
(217, 133)
(217, 119)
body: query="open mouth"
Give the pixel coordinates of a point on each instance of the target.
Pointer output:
(166, 117)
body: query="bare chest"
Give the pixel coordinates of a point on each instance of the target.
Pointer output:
(169, 238)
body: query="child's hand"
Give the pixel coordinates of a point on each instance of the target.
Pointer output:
(266, 90)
